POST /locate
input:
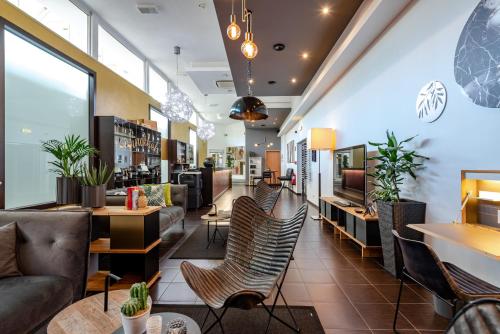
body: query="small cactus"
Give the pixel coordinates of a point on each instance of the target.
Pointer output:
(131, 307)
(141, 292)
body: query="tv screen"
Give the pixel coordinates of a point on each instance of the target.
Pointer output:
(349, 174)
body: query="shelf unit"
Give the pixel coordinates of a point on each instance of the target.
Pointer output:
(254, 168)
(124, 146)
(179, 153)
(349, 224)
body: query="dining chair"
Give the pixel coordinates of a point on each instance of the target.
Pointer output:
(444, 280)
(259, 249)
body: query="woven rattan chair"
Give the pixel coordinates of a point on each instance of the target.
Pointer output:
(259, 249)
(266, 196)
(480, 316)
(444, 280)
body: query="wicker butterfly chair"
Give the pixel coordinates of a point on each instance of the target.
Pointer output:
(266, 196)
(258, 254)
(479, 316)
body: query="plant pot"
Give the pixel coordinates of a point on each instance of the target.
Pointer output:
(137, 323)
(68, 190)
(94, 196)
(396, 216)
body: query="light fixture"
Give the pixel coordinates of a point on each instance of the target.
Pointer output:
(233, 29)
(305, 55)
(279, 47)
(178, 107)
(205, 130)
(248, 108)
(265, 143)
(293, 80)
(251, 81)
(325, 10)
(248, 47)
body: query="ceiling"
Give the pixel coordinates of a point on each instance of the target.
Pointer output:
(300, 25)
(276, 117)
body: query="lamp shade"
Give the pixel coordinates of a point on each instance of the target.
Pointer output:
(248, 108)
(321, 139)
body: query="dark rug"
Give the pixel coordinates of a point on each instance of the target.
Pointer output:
(252, 321)
(195, 247)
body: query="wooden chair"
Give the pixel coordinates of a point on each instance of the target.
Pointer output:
(444, 280)
(259, 249)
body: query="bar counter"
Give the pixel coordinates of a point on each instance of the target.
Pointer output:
(215, 182)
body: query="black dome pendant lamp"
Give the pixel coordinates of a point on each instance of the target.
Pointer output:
(248, 108)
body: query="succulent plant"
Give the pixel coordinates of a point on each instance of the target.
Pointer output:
(141, 292)
(131, 307)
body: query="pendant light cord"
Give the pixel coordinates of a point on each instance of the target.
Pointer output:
(249, 76)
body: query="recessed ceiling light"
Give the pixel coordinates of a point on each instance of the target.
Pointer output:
(279, 47)
(305, 55)
(271, 82)
(250, 81)
(325, 10)
(293, 80)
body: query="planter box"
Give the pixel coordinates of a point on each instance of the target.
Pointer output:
(69, 191)
(396, 216)
(94, 196)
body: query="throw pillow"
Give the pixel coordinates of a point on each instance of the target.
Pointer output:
(8, 261)
(167, 191)
(154, 193)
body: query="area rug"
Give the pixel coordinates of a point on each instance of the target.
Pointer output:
(252, 321)
(195, 247)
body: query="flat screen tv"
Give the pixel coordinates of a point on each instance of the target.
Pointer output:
(349, 174)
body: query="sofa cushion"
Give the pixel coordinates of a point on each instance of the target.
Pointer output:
(8, 261)
(28, 302)
(167, 192)
(169, 216)
(154, 193)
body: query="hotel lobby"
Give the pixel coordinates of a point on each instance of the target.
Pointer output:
(249, 166)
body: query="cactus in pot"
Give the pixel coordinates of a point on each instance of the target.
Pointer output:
(141, 292)
(131, 307)
(135, 311)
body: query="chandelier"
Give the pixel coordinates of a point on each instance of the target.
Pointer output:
(178, 107)
(206, 130)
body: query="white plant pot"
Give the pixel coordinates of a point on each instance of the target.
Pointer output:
(137, 323)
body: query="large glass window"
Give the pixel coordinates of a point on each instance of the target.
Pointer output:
(61, 16)
(158, 86)
(45, 98)
(117, 57)
(162, 122)
(193, 140)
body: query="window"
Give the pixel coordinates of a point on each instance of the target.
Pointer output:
(162, 122)
(193, 140)
(60, 16)
(117, 57)
(45, 98)
(194, 119)
(158, 86)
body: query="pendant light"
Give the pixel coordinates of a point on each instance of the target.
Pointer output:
(248, 108)
(248, 47)
(205, 129)
(233, 29)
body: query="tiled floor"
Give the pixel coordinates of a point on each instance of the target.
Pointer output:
(350, 294)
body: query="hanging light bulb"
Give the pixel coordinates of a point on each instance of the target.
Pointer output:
(248, 47)
(233, 29)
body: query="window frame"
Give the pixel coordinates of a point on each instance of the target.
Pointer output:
(6, 25)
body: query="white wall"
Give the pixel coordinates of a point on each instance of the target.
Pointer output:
(227, 135)
(379, 93)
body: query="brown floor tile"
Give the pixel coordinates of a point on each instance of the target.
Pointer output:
(178, 293)
(316, 276)
(426, 295)
(293, 276)
(347, 276)
(314, 264)
(337, 262)
(296, 294)
(390, 291)
(381, 316)
(363, 293)
(347, 331)
(422, 316)
(400, 331)
(380, 276)
(326, 293)
(339, 316)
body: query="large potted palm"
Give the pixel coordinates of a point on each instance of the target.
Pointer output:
(393, 164)
(68, 155)
(94, 181)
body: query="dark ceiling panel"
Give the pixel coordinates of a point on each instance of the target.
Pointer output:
(276, 117)
(299, 25)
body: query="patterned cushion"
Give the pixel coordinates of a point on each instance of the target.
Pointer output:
(168, 194)
(154, 193)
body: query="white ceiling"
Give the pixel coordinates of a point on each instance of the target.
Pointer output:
(192, 25)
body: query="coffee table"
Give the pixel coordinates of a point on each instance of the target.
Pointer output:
(222, 216)
(192, 326)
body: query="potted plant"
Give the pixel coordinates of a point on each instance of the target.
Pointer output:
(393, 163)
(135, 311)
(94, 181)
(68, 155)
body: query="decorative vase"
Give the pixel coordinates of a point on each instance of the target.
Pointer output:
(137, 323)
(68, 190)
(396, 216)
(142, 202)
(94, 196)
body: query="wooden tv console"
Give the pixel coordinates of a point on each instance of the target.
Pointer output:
(348, 224)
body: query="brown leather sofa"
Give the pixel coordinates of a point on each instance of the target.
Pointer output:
(52, 253)
(169, 215)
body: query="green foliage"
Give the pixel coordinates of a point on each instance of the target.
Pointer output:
(141, 292)
(394, 162)
(131, 307)
(92, 176)
(68, 154)
(229, 161)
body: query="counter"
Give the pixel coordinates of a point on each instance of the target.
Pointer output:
(215, 182)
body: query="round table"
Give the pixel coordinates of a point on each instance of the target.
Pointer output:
(166, 317)
(222, 216)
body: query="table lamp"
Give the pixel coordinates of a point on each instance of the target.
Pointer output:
(320, 139)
